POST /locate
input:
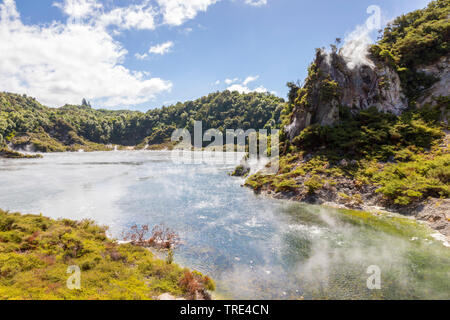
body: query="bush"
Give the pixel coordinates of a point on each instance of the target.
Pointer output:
(194, 284)
(160, 237)
(286, 185)
(408, 182)
(240, 171)
(6, 223)
(371, 134)
(314, 183)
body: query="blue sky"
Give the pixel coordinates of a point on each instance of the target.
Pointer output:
(197, 45)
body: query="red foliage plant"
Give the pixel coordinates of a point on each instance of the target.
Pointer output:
(196, 285)
(161, 237)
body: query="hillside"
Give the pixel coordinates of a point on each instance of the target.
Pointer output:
(28, 125)
(35, 253)
(374, 134)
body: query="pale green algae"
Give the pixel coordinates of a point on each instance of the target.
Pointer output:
(334, 264)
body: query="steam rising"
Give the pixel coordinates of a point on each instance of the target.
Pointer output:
(253, 247)
(358, 41)
(356, 46)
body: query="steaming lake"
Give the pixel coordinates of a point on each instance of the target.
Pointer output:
(255, 248)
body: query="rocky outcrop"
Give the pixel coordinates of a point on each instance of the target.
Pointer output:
(441, 71)
(333, 82)
(436, 212)
(6, 152)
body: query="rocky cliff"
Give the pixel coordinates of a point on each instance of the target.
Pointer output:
(407, 67)
(441, 88)
(333, 82)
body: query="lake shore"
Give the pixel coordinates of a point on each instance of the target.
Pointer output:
(434, 212)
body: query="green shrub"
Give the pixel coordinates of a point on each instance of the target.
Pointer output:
(415, 180)
(314, 183)
(370, 134)
(6, 223)
(286, 185)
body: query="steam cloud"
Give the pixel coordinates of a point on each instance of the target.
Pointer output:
(357, 42)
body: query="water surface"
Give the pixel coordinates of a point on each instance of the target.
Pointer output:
(255, 248)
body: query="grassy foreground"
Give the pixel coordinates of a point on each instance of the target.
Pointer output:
(35, 253)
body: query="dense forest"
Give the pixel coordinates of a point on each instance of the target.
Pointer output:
(23, 120)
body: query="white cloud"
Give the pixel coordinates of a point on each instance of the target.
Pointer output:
(78, 8)
(243, 87)
(8, 11)
(62, 63)
(176, 12)
(260, 89)
(141, 17)
(217, 83)
(186, 31)
(141, 56)
(256, 3)
(250, 79)
(239, 87)
(230, 81)
(162, 48)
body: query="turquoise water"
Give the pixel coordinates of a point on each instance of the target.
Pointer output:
(255, 248)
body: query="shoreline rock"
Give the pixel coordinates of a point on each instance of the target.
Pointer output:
(6, 153)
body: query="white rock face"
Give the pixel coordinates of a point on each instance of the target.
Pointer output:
(441, 70)
(392, 98)
(366, 86)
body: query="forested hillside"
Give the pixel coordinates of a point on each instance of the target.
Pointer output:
(24, 121)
